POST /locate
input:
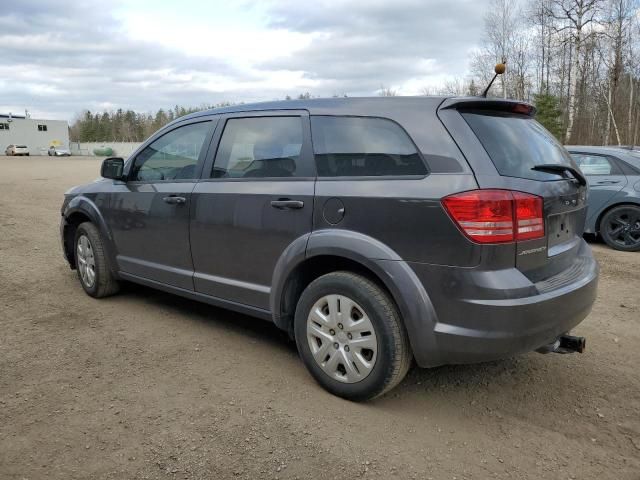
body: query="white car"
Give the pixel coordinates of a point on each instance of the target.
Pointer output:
(58, 151)
(17, 150)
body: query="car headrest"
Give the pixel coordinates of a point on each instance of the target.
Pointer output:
(266, 150)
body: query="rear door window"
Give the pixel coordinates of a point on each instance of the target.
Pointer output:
(261, 147)
(517, 143)
(595, 164)
(363, 147)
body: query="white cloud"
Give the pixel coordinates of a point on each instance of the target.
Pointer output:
(60, 57)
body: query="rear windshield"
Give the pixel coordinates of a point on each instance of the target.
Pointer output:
(516, 143)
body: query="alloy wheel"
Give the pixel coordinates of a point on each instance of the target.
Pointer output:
(624, 227)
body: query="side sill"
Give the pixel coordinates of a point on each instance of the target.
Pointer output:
(200, 297)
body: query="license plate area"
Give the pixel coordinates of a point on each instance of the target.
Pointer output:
(561, 229)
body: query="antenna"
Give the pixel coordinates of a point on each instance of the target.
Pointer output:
(500, 68)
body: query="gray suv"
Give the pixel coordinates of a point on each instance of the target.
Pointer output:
(375, 231)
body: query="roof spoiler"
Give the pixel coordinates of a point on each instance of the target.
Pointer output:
(479, 103)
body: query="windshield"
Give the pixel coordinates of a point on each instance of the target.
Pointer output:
(517, 143)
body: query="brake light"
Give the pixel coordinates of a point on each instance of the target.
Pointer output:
(497, 216)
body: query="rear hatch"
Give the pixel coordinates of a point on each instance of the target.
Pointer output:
(509, 150)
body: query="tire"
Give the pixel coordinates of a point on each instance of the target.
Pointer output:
(103, 283)
(620, 228)
(373, 371)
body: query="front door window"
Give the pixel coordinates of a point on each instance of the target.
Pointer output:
(171, 157)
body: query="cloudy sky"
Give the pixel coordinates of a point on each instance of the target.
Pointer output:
(60, 57)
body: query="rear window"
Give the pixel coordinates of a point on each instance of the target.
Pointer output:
(517, 143)
(363, 147)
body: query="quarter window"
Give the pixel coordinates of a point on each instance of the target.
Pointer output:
(594, 164)
(363, 147)
(173, 156)
(260, 147)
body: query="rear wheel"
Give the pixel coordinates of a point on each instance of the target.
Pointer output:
(350, 336)
(620, 228)
(92, 264)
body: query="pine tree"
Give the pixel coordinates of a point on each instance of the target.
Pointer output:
(549, 113)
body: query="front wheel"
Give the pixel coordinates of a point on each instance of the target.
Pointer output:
(620, 228)
(92, 263)
(350, 336)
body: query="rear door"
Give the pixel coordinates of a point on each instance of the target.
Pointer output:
(503, 143)
(605, 178)
(255, 200)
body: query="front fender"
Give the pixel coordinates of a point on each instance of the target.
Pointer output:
(85, 206)
(406, 289)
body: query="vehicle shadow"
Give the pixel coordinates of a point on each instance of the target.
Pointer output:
(211, 316)
(521, 385)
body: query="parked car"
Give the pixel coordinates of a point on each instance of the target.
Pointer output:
(13, 150)
(614, 194)
(57, 151)
(375, 231)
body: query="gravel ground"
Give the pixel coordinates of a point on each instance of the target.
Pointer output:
(147, 385)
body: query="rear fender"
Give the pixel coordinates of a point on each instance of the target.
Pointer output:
(396, 275)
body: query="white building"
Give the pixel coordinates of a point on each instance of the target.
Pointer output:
(37, 135)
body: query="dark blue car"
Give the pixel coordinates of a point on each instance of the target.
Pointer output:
(613, 174)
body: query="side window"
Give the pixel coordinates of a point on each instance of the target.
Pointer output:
(173, 156)
(360, 146)
(260, 147)
(594, 164)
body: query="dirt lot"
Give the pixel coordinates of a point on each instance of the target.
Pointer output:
(147, 385)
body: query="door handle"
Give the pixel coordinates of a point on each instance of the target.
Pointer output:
(285, 203)
(607, 182)
(174, 200)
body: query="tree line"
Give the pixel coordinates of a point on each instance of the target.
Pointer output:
(126, 125)
(577, 61)
(131, 126)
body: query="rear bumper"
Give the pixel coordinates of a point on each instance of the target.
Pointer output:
(504, 322)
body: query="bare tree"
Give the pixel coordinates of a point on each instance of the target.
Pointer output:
(387, 92)
(576, 16)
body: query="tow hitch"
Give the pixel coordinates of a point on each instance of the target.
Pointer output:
(565, 344)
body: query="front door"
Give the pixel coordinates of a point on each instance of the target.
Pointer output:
(258, 201)
(149, 213)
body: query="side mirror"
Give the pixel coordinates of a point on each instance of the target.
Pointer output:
(112, 167)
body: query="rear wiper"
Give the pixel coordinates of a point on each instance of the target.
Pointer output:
(560, 170)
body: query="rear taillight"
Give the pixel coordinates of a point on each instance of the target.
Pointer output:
(497, 216)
